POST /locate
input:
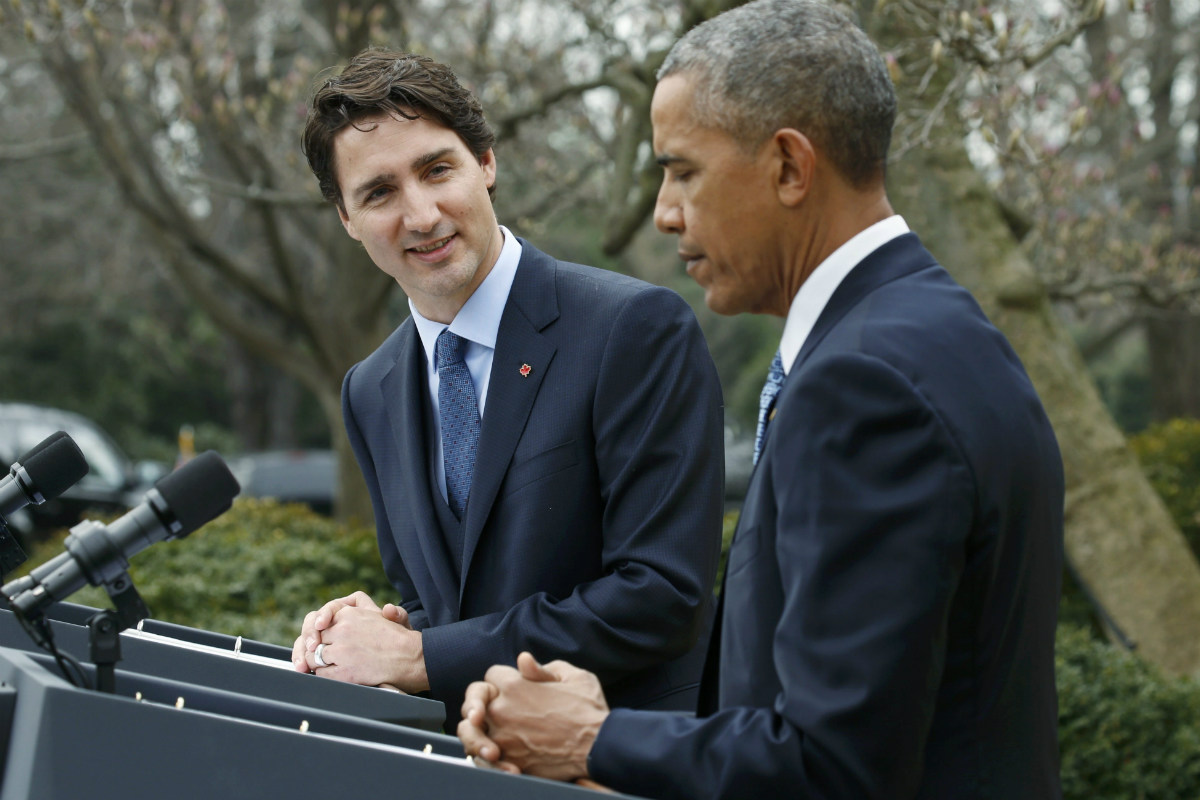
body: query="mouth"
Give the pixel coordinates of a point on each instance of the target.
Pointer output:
(433, 250)
(690, 259)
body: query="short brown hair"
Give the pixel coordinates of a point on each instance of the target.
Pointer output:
(377, 82)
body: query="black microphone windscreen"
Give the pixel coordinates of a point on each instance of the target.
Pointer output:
(199, 490)
(42, 445)
(55, 467)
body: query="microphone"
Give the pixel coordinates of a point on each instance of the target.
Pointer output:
(43, 473)
(39, 447)
(98, 554)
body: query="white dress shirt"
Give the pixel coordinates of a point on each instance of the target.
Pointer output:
(815, 292)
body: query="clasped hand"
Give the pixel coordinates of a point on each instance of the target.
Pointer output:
(536, 719)
(362, 643)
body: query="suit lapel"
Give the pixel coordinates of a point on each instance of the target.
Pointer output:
(406, 381)
(895, 259)
(901, 256)
(532, 305)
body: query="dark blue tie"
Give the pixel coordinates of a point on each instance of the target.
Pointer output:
(766, 402)
(460, 419)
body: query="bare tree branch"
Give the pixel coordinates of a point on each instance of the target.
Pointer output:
(1098, 343)
(1154, 292)
(507, 124)
(26, 151)
(257, 193)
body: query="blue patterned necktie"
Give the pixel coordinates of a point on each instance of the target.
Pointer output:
(766, 401)
(460, 419)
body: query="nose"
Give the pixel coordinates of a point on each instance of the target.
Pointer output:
(421, 212)
(668, 216)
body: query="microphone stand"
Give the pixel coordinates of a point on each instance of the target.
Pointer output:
(104, 629)
(11, 553)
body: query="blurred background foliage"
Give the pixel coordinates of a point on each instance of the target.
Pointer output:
(1124, 730)
(191, 275)
(1170, 454)
(255, 571)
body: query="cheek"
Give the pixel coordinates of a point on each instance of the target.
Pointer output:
(372, 227)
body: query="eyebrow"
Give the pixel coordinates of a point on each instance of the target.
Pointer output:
(369, 184)
(666, 160)
(390, 177)
(429, 158)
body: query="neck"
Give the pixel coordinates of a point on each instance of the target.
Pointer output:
(444, 309)
(839, 216)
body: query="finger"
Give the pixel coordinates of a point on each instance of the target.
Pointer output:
(499, 674)
(299, 662)
(325, 614)
(308, 630)
(476, 742)
(588, 783)
(395, 613)
(475, 701)
(359, 599)
(390, 687)
(531, 670)
(562, 670)
(326, 656)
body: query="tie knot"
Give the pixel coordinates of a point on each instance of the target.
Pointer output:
(448, 349)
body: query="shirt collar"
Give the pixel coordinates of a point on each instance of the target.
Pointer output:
(479, 318)
(816, 290)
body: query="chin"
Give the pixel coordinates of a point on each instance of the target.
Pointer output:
(721, 304)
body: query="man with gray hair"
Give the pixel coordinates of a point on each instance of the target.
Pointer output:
(890, 600)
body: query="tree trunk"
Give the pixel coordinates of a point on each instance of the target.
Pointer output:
(1173, 340)
(1119, 535)
(352, 504)
(264, 401)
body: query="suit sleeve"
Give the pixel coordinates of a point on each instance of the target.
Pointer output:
(392, 565)
(658, 434)
(872, 506)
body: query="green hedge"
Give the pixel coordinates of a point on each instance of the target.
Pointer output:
(1124, 730)
(255, 571)
(1170, 455)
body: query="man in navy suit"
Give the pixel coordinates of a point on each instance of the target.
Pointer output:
(542, 441)
(891, 593)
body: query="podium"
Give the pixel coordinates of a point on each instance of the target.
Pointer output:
(184, 723)
(218, 666)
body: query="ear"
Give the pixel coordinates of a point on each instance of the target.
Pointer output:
(797, 161)
(346, 223)
(487, 162)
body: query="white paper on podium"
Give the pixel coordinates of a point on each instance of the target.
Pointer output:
(236, 652)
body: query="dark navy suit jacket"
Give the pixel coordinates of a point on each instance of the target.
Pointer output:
(592, 530)
(891, 592)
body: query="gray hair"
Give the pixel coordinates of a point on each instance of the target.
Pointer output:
(800, 64)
